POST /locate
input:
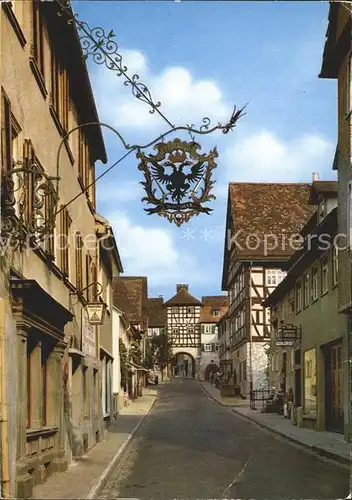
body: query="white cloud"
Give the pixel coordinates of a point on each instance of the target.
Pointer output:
(119, 191)
(183, 98)
(265, 157)
(151, 251)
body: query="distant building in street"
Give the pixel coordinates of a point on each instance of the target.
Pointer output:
(261, 218)
(156, 316)
(214, 307)
(337, 64)
(110, 267)
(131, 297)
(183, 330)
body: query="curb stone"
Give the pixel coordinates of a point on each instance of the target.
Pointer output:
(101, 481)
(319, 451)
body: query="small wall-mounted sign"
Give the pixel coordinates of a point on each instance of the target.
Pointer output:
(95, 312)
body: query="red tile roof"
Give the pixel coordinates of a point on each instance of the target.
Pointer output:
(262, 209)
(183, 298)
(131, 296)
(156, 312)
(211, 302)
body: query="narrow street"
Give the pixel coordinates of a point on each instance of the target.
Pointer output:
(191, 447)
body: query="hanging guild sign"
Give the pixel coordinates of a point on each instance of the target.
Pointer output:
(95, 312)
(178, 180)
(89, 341)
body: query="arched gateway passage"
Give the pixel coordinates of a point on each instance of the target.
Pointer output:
(210, 370)
(183, 365)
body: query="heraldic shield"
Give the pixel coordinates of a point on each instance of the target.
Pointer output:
(178, 180)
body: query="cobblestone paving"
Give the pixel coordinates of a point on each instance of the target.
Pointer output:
(191, 447)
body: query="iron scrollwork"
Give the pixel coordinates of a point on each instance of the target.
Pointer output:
(183, 177)
(28, 203)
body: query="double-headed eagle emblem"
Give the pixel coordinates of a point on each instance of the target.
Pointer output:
(178, 180)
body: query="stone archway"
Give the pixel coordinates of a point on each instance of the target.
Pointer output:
(209, 370)
(184, 365)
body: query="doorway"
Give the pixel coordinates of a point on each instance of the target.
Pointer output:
(334, 387)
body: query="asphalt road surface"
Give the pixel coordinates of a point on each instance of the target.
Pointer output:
(191, 447)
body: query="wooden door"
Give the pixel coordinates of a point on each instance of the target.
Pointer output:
(334, 389)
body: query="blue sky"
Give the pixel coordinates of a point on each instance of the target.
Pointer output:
(200, 58)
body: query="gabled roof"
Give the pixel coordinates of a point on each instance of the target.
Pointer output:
(211, 302)
(322, 188)
(264, 212)
(183, 298)
(65, 37)
(264, 209)
(156, 312)
(338, 39)
(130, 294)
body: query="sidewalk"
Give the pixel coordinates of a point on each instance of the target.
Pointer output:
(87, 476)
(328, 444)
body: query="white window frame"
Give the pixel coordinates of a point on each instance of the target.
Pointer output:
(207, 348)
(349, 88)
(306, 290)
(335, 264)
(298, 293)
(324, 275)
(208, 329)
(315, 283)
(349, 216)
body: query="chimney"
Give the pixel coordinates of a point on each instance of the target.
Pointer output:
(315, 176)
(178, 287)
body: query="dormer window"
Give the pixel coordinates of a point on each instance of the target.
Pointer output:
(216, 312)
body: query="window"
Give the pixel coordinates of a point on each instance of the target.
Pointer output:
(349, 88)
(274, 276)
(324, 275)
(79, 263)
(37, 382)
(6, 135)
(64, 241)
(38, 36)
(59, 90)
(306, 290)
(44, 368)
(335, 264)
(243, 371)
(310, 382)
(315, 283)
(216, 312)
(207, 347)
(349, 216)
(298, 295)
(207, 329)
(216, 347)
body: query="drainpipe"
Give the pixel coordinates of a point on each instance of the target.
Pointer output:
(250, 330)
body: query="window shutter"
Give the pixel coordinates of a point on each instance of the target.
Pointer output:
(202, 347)
(6, 135)
(29, 183)
(88, 291)
(212, 347)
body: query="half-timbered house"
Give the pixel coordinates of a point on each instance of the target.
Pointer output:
(262, 222)
(183, 329)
